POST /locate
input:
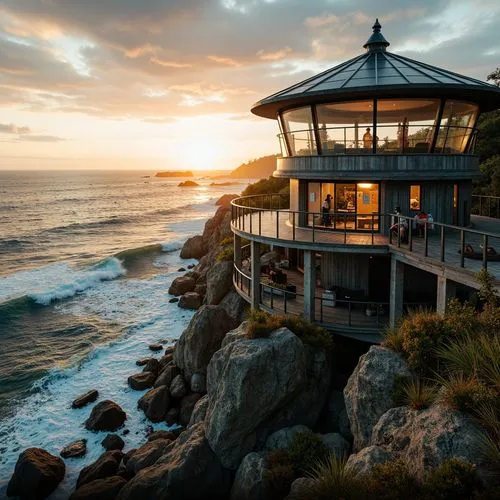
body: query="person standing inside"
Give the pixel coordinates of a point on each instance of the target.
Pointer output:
(325, 209)
(367, 139)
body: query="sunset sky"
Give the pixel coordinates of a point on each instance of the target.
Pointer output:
(169, 83)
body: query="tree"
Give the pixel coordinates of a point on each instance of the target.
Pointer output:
(494, 76)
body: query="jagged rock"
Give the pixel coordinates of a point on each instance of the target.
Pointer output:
(234, 305)
(141, 381)
(188, 470)
(155, 347)
(172, 416)
(155, 403)
(173, 300)
(113, 442)
(247, 382)
(226, 199)
(425, 439)
(190, 300)
(336, 444)
(172, 436)
(105, 416)
(178, 387)
(146, 455)
(283, 437)
(199, 383)
(239, 333)
(219, 282)
(368, 393)
(167, 375)
(181, 285)
(193, 248)
(366, 459)
(153, 366)
(201, 289)
(75, 449)
(85, 399)
(142, 362)
(249, 483)
(105, 466)
(218, 227)
(36, 475)
(187, 406)
(199, 411)
(201, 339)
(100, 489)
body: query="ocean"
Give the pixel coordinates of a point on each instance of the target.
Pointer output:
(86, 259)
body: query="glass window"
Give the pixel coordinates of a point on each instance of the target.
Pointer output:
(415, 203)
(367, 205)
(299, 130)
(345, 205)
(406, 125)
(457, 123)
(314, 202)
(345, 127)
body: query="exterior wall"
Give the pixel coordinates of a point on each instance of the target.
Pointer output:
(344, 270)
(294, 195)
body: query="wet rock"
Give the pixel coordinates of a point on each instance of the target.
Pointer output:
(172, 416)
(155, 403)
(199, 383)
(153, 366)
(194, 248)
(181, 269)
(146, 455)
(85, 399)
(75, 449)
(219, 281)
(155, 347)
(178, 387)
(106, 416)
(113, 442)
(105, 466)
(167, 375)
(182, 285)
(142, 362)
(141, 381)
(190, 300)
(172, 436)
(100, 489)
(173, 300)
(187, 406)
(36, 475)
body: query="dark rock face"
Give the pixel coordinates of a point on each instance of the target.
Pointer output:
(189, 470)
(190, 300)
(219, 281)
(199, 383)
(142, 362)
(85, 399)
(105, 466)
(249, 483)
(199, 411)
(155, 403)
(182, 285)
(167, 375)
(75, 449)
(167, 357)
(153, 366)
(162, 435)
(172, 416)
(155, 347)
(141, 381)
(113, 442)
(100, 489)
(146, 455)
(193, 248)
(36, 475)
(105, 416)
(178, 387)
(187, 406)
(235, 306)
(201, 339)
(201, 289)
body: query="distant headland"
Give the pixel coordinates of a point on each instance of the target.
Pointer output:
(175, 173)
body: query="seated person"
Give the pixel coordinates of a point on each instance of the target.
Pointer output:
(400, 228)
(277, 275)
(420, 221)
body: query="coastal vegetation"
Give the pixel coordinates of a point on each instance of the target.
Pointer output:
(256, 168)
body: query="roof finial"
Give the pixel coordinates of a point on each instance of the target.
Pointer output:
(377, 42)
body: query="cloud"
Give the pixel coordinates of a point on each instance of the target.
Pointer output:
(24, 134)
(274, 56)
(10, 128)
(40, 138)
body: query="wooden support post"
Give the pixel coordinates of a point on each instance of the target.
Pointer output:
(396, 291)
(446, 290)
(309, 284)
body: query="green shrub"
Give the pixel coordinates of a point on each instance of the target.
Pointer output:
(261, 324)
(416, 393)
(461, 318)
(306, 448)
(227, 253)
(454, 479)
(392, 481)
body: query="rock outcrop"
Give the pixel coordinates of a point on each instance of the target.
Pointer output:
(182, 285)
(105, 466)
(369, 391)
(105, 416)
(235, 306)
(219, 281)
(199, 411)
(155, 403)
(190, 300)
(146, 455)
(100, 489)
(193, 248)
(141, 381)
(365, 460)
(36, 475)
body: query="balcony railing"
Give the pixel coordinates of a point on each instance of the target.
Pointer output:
(488, 206)
(415, 139)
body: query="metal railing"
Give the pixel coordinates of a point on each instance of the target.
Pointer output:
(428, 239)
(411, 139)
(485, 205)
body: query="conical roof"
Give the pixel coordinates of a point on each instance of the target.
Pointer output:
(378, 73)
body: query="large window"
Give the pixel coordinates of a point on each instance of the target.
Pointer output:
(299, 131)
(415, 203)
(456, 126)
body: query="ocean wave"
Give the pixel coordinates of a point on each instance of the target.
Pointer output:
(174, 245)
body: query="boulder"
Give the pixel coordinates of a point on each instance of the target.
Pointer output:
(425, 439)
(201, 339)
(142, 362)
(239, 333)
(248, 381)
(153, 366)
(105, 416)
(146, 455)
(190, 300)
(141, 381)
(368, 393)
(199, 383)
(219, 282)
(201, 289)
(187, 406)
(155, 347)
(85, 399)
(188, 470)
(182, 285)
(167, 375)
(113, 442)
(75, 449)
(36, 475)
(300, 489)
(193, 248)
(282, 438)
(365, 460)
(166, 358)
(249, 483)
(226, 199)
(105, 466)
(199, 411)
(336, 418)
(155, 403)
(234, 305)
(100, 489)
(172, 436)
(172, 416)
(336, 444)
(173, 300)
(178, 387)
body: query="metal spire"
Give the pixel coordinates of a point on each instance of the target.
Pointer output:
(377, 42)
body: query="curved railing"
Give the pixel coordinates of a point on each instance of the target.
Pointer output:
(415, 139)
